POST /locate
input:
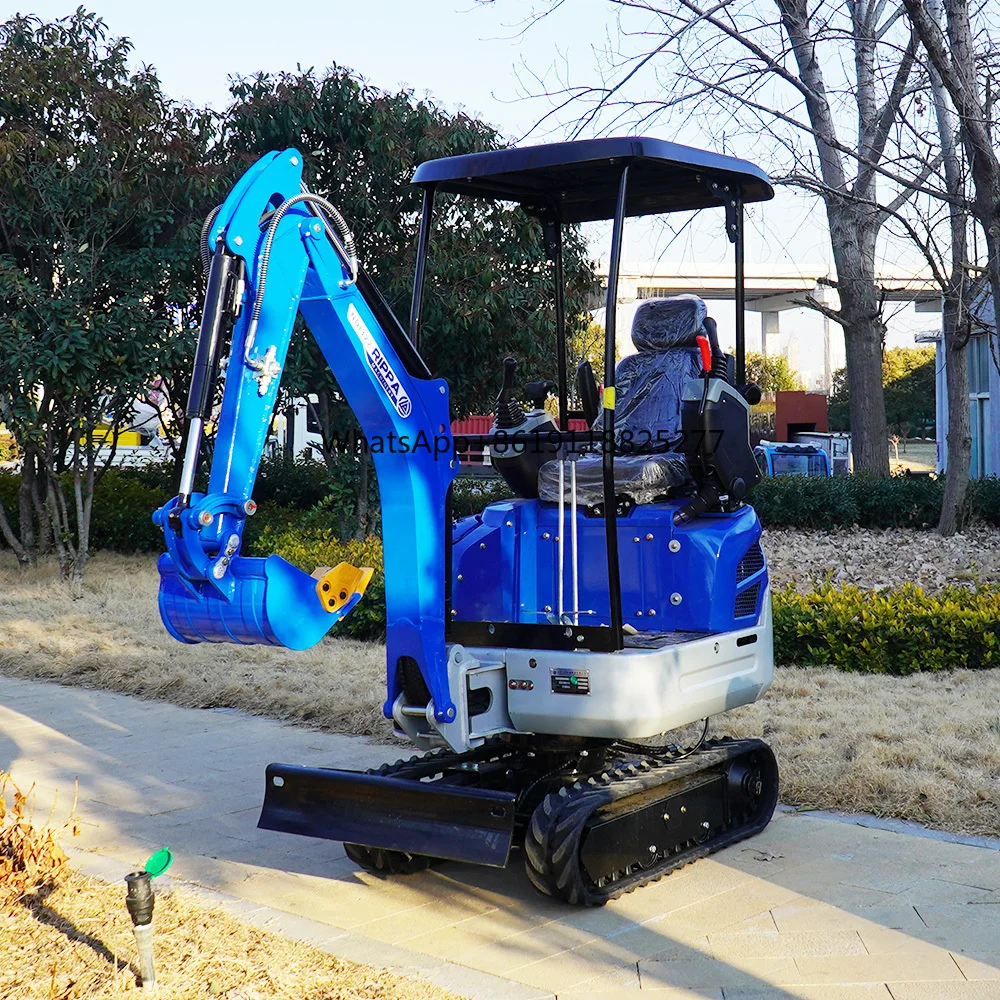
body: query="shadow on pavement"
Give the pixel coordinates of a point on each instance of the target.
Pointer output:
(152, 774)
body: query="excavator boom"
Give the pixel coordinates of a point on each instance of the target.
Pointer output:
(277, 251)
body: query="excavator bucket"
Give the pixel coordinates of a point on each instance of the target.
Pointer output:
(455, 822)
(271, 602)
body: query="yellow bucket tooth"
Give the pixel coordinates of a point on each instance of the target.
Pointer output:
(338, 585)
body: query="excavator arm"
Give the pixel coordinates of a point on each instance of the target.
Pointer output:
(275, 250)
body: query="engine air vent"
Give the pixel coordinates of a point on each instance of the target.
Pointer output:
(752, 562)
(746, 602)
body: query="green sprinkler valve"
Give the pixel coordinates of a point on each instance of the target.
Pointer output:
(139, 898)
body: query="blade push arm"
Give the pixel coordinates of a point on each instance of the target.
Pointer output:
(295, 261)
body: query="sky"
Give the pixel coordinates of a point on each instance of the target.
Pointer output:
(469, 54)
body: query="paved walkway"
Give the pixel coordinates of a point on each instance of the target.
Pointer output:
(809, 909)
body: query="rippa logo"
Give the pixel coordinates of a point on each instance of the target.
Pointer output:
(380, 367)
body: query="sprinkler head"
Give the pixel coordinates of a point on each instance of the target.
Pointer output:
(139, 898)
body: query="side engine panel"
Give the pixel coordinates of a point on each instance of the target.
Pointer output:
(706, 576)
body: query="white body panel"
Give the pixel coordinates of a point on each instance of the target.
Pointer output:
(631, 694)
(642, 692)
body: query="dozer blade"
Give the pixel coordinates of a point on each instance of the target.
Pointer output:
(454, 822)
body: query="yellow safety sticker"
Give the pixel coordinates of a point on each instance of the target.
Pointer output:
(609, 398)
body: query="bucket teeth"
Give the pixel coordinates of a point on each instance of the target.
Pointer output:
(337, 586)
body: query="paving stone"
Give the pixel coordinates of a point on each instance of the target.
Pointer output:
(582, 992)
(901, 966)
(741, 903)
(662, 940)
(937, 892)
(974, 969)
(431, 917)
(511, 953)
(883, 941)
(578, 967)
(800, 991)
(771, 944)
(813, 915)
(945, 991)
(696, 972)
(983, 874)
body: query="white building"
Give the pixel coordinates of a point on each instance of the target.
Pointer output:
(984, 396)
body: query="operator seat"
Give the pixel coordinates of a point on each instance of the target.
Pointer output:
(649, 386)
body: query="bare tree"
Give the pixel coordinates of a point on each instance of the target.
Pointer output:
(835, 93)
(963, 68)
(955, 315)
(965, 59)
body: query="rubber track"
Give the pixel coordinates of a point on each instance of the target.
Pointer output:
(555, 834)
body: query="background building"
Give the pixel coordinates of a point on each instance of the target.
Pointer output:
(777, 322)
(984, 395)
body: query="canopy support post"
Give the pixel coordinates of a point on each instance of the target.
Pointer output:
(610, 344)
(423, 241)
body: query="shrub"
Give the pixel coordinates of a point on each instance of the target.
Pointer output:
(984, 499)
(865, 500)
(470, 494)
(309, 547)
(300, 483)
(898, 631)
(123, 510)
(804, 502)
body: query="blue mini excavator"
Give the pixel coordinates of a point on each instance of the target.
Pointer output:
(535, 651)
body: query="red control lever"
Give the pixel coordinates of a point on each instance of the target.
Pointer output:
(706, 353)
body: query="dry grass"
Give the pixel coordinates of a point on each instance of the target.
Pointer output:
(925, 747)
(30, 854)
(112, 638)
(64, 936)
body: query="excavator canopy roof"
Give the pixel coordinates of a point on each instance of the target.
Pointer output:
(578, 181)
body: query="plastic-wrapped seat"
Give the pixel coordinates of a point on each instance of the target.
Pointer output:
(648, 385)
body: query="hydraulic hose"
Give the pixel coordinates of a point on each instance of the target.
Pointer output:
(206, 228)
(324, 211)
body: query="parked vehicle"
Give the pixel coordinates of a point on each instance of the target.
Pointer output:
(837, 446)
(778, 458)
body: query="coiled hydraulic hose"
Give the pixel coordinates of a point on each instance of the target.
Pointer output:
(339, 233)
(206, 228)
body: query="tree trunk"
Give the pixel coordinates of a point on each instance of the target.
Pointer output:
(955, 315)
(23, 559)
(26, 514)
(869, 437)
(852, 233)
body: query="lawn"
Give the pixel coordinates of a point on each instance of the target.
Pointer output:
(925, 747)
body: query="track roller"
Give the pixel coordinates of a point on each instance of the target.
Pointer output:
(593, 841)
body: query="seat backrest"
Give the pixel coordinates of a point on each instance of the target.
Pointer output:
(649, 384)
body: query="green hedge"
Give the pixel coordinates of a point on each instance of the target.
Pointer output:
(308, 548)
(290, 492)
(866, 501)
(899, 631)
